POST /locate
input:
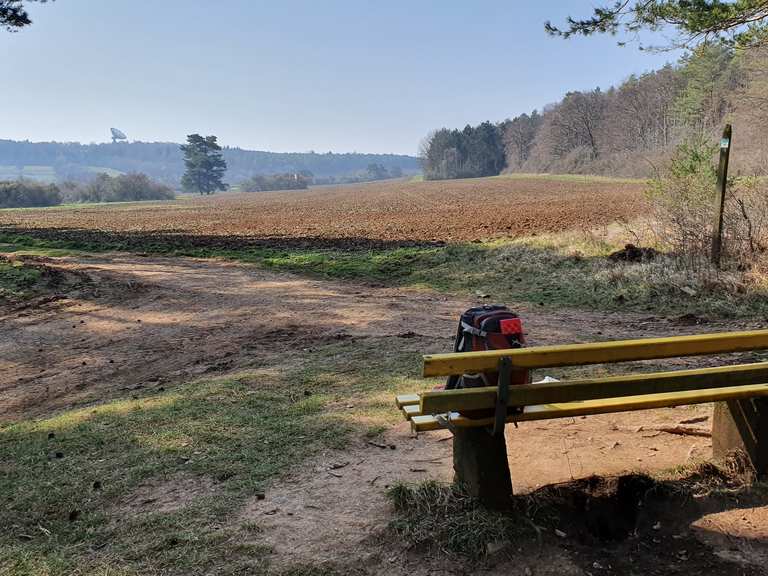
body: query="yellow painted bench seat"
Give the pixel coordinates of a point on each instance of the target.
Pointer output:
(428, 422)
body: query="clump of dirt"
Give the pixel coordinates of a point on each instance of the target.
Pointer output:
(632, 253)
(689, 319)
(166, 495)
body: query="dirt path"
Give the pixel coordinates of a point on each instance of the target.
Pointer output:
(151, 322)
(146, 321)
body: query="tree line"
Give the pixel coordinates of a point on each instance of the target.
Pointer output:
(164, 161)
(468, 153)
(305, 178)
(204, 170)
(623, 130)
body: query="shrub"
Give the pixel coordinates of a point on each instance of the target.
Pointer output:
(123, 188)
(682, 198)
(27, 194)
(263, 183)
(137, 186)
(683, 201)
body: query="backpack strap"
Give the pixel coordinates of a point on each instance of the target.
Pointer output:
(472, 330)
(502, 395)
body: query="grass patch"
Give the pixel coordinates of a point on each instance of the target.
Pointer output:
(18, 280)
(445, 518)
(585, 178)
(552, 271)
(223, 431)
(66, 482)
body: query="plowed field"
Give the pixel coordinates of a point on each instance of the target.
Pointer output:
(380, 213)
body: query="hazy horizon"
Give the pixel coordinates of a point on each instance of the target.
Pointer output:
(294, 77)
(183, 140)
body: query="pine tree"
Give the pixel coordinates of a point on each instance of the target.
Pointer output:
(742, 23)
(205, 165)
(708, 72)
(13, 14)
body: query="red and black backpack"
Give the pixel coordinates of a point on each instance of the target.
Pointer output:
(490, 327)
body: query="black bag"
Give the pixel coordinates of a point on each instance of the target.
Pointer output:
(490, 327)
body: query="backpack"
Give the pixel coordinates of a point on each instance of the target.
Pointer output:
(490, 327)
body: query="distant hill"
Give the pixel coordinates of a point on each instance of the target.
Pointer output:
(162, 161)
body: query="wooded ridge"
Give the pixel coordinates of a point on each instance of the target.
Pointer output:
(625, 130)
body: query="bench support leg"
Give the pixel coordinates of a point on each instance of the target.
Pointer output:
(481, 466)
(742, 425)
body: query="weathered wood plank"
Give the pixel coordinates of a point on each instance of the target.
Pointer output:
(411, 410)
(406, 399)
(742, 424)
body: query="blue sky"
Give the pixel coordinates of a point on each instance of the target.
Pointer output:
(293, 75)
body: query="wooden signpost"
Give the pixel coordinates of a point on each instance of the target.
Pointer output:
(722, 182)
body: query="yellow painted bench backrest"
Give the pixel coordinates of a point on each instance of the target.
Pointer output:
(597, 352)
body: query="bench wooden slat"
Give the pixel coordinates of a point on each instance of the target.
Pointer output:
(425, 423)
(439, 402)
(411, 410)
(407, 400)
(597, 353)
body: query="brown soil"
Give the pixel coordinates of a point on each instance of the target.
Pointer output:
(737, 535)
(347, 216)
(335, 513)
(150, 322)
(144, 322)
(166, 495)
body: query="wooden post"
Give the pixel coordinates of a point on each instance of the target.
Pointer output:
(722, 181)
(481, 466)
(742, 425)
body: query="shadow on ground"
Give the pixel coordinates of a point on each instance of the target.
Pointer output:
(706, 519)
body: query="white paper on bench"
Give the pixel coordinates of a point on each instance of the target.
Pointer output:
(540, 407)
(536, 408)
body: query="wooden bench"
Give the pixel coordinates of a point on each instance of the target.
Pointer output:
(477, 416)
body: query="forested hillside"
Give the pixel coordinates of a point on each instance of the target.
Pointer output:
(163, 161)
(624, 130)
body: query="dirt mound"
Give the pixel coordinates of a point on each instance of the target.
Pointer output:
(632, 253)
